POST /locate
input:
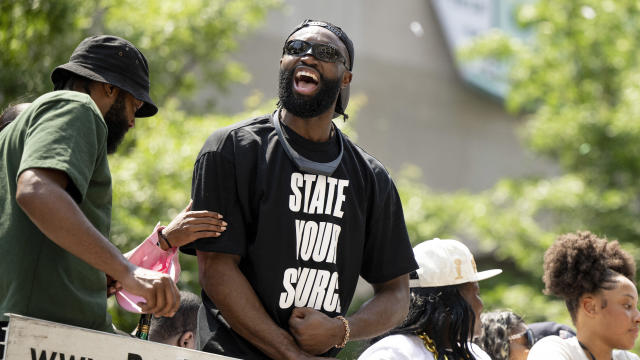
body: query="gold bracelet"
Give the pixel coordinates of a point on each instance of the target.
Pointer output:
(347, 332)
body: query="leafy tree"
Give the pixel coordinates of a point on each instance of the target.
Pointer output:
(187, 43)
(575, 81)
(28, 53)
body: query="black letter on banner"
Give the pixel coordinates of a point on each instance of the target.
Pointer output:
(43, 355)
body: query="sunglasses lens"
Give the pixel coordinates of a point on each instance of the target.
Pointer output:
(326, 53)
(297, 47)
(322, 52)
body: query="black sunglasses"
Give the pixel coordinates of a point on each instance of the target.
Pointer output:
(322, 52)
(528, 337)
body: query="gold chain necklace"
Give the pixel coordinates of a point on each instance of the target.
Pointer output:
(430, 345)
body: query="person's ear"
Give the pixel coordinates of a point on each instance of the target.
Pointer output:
(346, 79)
(588, 303)
(110, 91)
(187, 340)
(104, 95)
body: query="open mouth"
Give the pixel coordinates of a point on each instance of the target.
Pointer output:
(305, 81)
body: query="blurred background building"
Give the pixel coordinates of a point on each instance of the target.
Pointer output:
(419, 108)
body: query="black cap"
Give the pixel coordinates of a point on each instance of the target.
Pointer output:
(343, 96)
(112, 60)
(336, 30)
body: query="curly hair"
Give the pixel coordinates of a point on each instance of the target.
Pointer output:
(442, 314)
(581, 263)
(497, 326)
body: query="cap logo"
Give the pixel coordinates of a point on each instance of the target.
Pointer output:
(458, 263)
(473, 263)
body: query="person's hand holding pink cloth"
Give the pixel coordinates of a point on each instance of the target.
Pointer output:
(150, 256)
(159, 251)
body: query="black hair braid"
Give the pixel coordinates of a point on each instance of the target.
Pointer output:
(442, 314)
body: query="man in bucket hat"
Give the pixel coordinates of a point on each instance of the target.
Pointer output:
(308, 212)
(55, 192)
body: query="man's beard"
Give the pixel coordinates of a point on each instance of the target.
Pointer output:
(117, 124)
(307, 106)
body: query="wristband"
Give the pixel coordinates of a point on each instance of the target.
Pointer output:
(347, 332)
(163, 237)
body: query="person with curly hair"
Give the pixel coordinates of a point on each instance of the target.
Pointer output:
(445, 307)
(596, 279)
(505, 336)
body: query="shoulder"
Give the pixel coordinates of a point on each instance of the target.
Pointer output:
(370, 167)
(69, 99)
(238, 134)
(624, 355)
(66, 106)
(369, 160)
(397, 347)
(555, 347)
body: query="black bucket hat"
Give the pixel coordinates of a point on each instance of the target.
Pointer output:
(112, 60)
(343, 96)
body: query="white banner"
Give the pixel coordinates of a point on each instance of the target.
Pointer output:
(29, 338)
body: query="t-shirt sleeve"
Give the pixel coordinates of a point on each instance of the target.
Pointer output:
(383, 353)
(552, 347)
(624, 355)
(66, 136)
(395, 347)
(214, 188)
(387, 252)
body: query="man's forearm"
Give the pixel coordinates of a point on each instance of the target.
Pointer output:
(53, 211)
(229, 289)
(386, 310)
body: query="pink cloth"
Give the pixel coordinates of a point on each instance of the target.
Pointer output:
(150, 256)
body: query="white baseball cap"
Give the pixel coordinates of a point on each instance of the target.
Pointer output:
(446, 262)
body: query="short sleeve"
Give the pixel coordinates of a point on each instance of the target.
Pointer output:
(387, 253)
(213, 188)
(553, 347)
(67, 136)
(397, 347)
(624, 355)
(383, 353)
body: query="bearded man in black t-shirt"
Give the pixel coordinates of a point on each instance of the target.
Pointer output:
(308, 211)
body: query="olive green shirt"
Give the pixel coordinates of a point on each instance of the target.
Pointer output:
(61, 130)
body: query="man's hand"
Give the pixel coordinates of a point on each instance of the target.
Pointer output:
(113, 286)
(189, 226)
(315, 332)
(159, 290)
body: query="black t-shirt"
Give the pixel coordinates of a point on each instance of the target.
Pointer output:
(303, 238)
